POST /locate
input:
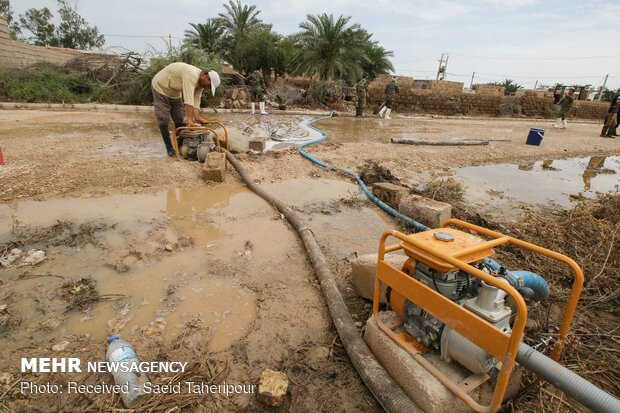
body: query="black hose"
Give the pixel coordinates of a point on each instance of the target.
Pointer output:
(387, 392)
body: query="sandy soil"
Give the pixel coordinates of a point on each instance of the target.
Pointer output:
(137, 218)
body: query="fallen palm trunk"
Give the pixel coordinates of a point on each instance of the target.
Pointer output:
(411, 141)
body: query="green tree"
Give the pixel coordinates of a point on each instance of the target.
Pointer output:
(285, 56)
(259, 51)
(37, 22)
(238, 22)
(377, 60)
(207, 36)
(330, 48)
(510, 86)
(7, 12)
(73, 31)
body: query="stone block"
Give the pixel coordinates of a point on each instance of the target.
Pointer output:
(364, 271)
(390, 193)
(272, 387)
(425, 210)
(257, 144)
(417, 382)
(214, 167)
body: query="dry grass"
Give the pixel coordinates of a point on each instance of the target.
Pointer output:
(446, 190)
(590, 235)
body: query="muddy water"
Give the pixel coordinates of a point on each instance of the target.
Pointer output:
(369, 129)
(543, 181)
(139, 258)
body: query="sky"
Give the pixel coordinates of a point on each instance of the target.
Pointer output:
(549, 41)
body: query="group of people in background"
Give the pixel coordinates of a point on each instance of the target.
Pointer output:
(391, 89)
(177, 91)
(610, 123)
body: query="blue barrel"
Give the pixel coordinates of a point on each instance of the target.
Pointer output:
(535, 136)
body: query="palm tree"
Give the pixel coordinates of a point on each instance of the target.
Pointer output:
(206, 36)
(377, 60)
(238, 22)
(330, 48)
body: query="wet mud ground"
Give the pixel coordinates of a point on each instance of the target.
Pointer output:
(209, 272)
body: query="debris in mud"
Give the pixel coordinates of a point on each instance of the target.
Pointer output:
(352, 201)
(8, 259)
(371, 173)
(249, 248)
(60, 234)
(80, 294)
(172, 297)
(272, 388)
(445, 190)
(60, 346)
(119, 268)
(16, 257)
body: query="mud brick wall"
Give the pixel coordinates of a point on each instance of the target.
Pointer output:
(15, 54)
(538, 106)
(490, 90)
(445, 102)
(584, 109)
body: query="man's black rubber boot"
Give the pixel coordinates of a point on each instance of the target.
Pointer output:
(604, 131)
(165, 134)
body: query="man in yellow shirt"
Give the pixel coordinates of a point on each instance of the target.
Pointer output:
(177, 89)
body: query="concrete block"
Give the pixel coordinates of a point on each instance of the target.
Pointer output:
(418, 383)
(364, 270)
(257, 143)
(425, 210)
(214, 168)
(390, 193)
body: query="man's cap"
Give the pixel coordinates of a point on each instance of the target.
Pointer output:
(215, 80)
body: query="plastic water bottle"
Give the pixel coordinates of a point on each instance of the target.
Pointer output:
(121, 352)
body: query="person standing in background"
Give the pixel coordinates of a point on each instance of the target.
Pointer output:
(360, 88)
(390, 93)
(565, 104)
(256, 82)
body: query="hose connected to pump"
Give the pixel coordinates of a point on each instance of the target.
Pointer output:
(529, 284)
(387, 392)
(586, 393)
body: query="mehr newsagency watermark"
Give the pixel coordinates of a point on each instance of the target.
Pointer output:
(75, 365)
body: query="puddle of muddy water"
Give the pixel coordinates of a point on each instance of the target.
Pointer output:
(225, 223)
(543, 181)
(352, 130)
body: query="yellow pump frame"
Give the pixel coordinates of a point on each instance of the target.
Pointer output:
(218, 137)
(501, 345)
